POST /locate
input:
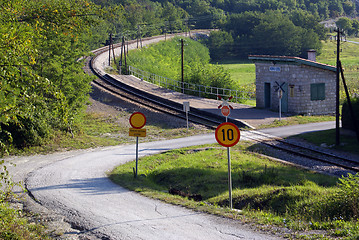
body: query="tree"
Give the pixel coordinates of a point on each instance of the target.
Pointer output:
(355, 27)
(308, 21)
(242, 24)
(39, 45)
(276, 35)
(220, 44)
(345, 24)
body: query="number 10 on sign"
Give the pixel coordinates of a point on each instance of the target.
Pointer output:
(227, 134)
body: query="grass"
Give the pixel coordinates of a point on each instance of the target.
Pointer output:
(298, 119)
(278, 197)
(349, 57)
(13, 225)
(327, 138)
(241, 73)
(349, 54)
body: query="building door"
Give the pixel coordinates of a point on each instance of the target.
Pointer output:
(284, 106)
(267, 95)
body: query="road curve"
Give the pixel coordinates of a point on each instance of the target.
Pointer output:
(77, 187)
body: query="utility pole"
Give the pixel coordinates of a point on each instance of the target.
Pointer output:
(337, 114)
(120, 63)
(113, 51)
(182, 77)
(109, 49)
(141, 38)
(138, 33)
(124, 48)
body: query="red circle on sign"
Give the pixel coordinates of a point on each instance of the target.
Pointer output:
(227, 134)
(225, 111)
(137, 120)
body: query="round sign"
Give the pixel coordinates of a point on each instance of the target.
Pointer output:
(225, 111)
(227, 134)
(137, 120)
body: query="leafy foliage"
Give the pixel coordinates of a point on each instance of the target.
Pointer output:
(42, 86)
(270, 33)
(164, 59)
(347, 120)
(6, 183)
(341, 204)
(14, 226)
(349, 26)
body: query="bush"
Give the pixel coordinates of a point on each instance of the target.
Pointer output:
(342, 204)
(347, 199)
(347, 121)
(24, 132)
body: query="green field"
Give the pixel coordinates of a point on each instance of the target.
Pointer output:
(241, 73)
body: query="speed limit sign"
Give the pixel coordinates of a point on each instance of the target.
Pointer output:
(227, 134)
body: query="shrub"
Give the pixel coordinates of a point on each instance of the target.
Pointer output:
(6, 183)
(348, 196)
(342, 204)
(347, 121)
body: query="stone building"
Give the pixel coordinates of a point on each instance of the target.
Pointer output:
(302, 86)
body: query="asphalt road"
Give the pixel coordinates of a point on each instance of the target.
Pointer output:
(77, 187)
(287, 131)
(74, 184)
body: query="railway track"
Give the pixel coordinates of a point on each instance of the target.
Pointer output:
(307, 152)
(146, 99)
(211, 120)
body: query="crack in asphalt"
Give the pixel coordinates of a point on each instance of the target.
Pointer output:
(156, 210)
(231, 234)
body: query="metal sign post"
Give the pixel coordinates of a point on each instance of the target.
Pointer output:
(280, 91)
(186, 110)
(229, 178)
(137, 121)
(227, 134)
(280, 94)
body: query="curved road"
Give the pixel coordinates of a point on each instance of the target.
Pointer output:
(77, 187)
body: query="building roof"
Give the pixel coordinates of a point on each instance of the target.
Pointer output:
(294, 60)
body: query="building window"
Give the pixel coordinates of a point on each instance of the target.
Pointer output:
(291, 90)
(317, 91)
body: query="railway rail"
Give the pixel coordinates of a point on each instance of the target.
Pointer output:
(211, 120)
(304, 151)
